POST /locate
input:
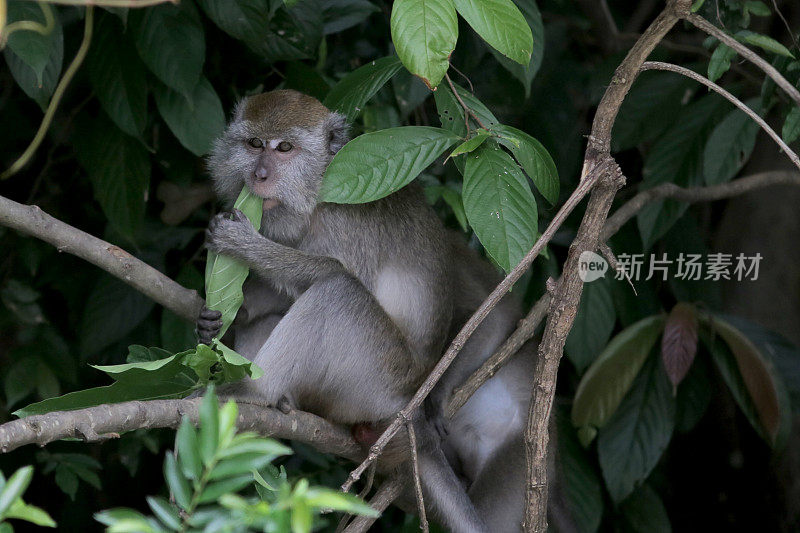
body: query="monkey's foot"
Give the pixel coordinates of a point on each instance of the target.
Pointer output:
(208, 325)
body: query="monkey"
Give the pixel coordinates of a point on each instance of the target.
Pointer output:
(349, 306)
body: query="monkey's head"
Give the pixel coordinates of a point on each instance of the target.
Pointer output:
(278, 144)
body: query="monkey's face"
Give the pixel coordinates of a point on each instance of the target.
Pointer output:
(278, 144)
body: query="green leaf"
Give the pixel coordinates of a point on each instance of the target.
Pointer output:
(377, 164)
(209, 426)
(693, 397)
(241, 464)
(302, 518)
(236, 366)
(525, 73)
(636, 435)
(499, 205)
(351, 94)
(593, 324)
(757, 8)
(225, 275)
(791, 128)
(751, 378)
(534, 158)
(697, 5)
(762, 41)
(677, 157)
(118, 77)
(581, 487)
(196, 122)
(165, 512)
(119, 168)
(254, 445)
(246, 20)
(294, 33)
(500, 24)
(610, 377)
(451, 113)
(644, 512)
(171, 43)
(451, 198)
(188, 450)
(322, 498)
(471, 144)
(339, 15)
(177, 484)
(30, 513)
(720, 61)
(730, 145)
(15, 487)
(424, 33)
(34, 59)
(112, 310)
(214, 490)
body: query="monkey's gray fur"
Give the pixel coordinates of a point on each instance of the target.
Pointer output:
(351, 306)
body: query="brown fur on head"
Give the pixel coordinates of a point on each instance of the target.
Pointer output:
(278, 144)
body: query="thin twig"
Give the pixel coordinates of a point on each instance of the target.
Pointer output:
(56, 99)
(466, 78)
(786, 24)
(746, 53)
(385, 495)
(412, 441)
(468, 112)
(658, 65)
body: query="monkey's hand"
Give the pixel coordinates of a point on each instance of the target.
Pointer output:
(208, 325)
(231, 233)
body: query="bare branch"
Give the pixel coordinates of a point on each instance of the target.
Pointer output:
(746, 53)
(412, 442)
(658, 65)
(113, 259)
(96, 423)
(386, 494)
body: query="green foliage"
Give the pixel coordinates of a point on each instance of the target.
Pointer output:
(208, 472)
(13, 507)
(349, 96)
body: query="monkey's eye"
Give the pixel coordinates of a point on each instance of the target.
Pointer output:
(255, 142)
(284, 146)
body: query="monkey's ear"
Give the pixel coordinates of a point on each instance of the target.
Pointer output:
(338, 132)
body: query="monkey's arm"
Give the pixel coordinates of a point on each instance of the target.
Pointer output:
(290, 270)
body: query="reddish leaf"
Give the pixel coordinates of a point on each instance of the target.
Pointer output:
(679, 343)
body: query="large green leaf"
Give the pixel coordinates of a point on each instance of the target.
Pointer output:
(34, 59)
(295, 33)
(119, 168)
(610, 377)
(500, 24)
(720, 61)
(171, 43)
(580, 485)
(644, 512)
(636, 435)
(730, 145)
(677, 157)
(246, 20)
(499, 204)
(225, 275)
(424, 33)
(525, 73)
(339, 15)
(751, 378)
(377, 164)
(764, 42)
(451, 112)
(593, 325)
(533, 157)
(195, 122)
(118, 77)
(791, 127)
(349, 96)
(112, 310)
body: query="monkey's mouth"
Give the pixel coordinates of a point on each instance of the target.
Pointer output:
(269, 203)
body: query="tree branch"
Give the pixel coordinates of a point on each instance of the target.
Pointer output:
(658, 65)
(702, 24)
(386, 494)
(33, 221)
(110, 420)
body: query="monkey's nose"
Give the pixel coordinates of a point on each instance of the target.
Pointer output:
(260, 174)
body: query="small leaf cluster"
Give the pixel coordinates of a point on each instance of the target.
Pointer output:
(13, 507)
(209, 475)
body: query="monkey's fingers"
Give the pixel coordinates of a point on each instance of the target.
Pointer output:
(238, 216)
(210, 314)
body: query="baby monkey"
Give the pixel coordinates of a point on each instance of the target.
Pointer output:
(349, 307)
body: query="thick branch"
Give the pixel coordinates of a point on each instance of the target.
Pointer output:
(658, 65)
(568, 291)
(386, 494)
(113, 259)
(109, 420)
(702, 24)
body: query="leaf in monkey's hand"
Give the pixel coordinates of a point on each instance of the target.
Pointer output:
(225, 275)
